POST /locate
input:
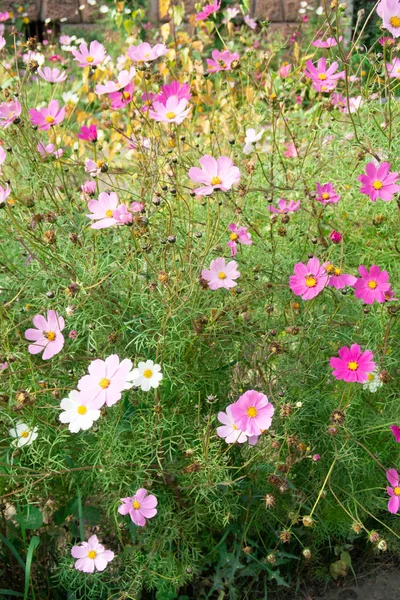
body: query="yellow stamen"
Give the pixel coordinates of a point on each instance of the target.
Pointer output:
(377, 185)
(92, 554)
(372, 284)
(170, 115)
(126, 95)
(252, 412)
(337, 271)
(371, 377)
(109, 213)
(352, 365)
(233, 237)
(50, 335)
(330, 269)
(90, 59)
(136, 505)
(322, 77)
(49, 119)
(234, 427)
(104, 383)
(221, 275)
(395, 21)
(24, 434)
(148, 373)
(311, 281)
(396, 491)
(325, 196)
(82, 410)
(216, 181)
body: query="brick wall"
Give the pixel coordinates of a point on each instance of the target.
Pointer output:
(40, 10)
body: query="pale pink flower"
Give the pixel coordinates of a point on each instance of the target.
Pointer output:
(2, 42)
(91, 556)
(49, 150)
(89, 187)
(389, 11)
(393, 68)
(221, 61)
(308, 280)
(145, 53)
(175, 88)
(122, 215)
(105, 382)
(173, 111)
(9, 112)
(284, 206)
(92, 167)
(215, 174)
(124, 78)
(89, 57)
(252, 412)
(139, 507)
(47, 117)
(284, 70)
(102, 210)
(252, 23)
(229, 431)
(330, 42)
(52, 75)
(47, 336)
(291, 150)
(220, 274)
(4, 193)
(239, 235)
(324, 78)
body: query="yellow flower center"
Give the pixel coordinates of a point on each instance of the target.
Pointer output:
(148, 373)
(233, 237)
(395, 21)
(216, 181)
(24, 434)
(104, 383)
(396, 491)
(311, 281)
(330, 269)
(325, 196)
(398, 70)
(126, 95)
(377, 185)
(221, 275)
(352, 365)
(50, 335)
(109, 213)
(49, 119)
(234, 427)
(322, 77)
(92, 554)
(337, 271)
(371, 377)
(170, 115)
(90, 59)
(372, 284)
(252, 412)
(82, 410)
(136, 505)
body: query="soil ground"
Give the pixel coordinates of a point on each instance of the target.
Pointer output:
(383, 585)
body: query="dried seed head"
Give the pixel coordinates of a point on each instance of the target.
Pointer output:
(285, 536)
(271, 559)
(269, 501)
(307, 553)
(357, 527)
(286, 410)
(337, 417)
(374, 537)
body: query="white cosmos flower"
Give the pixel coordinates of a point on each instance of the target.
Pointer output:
(147, 375)
(251, 138)
(77, 413)
(373, 382)
(23, 435)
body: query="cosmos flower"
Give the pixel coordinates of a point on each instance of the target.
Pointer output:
(389, 11)
(175, 88)
(147, 375)
(47, 336)
(145, 53)
(220, 274)
(49, 150)
(124, 78)
(77, 413)
(373, 382)
(335, 236)
(284, 70)
(379, 182)
(102, 210)
(9, 112)
(239, 235)
(139, 507)
(396, 432)
(252, 137)
(2, 42)
(122, 215)
(324, 78)
(252, 412)
(52, 75)
(330, 42)
(372, 285)
(308, 280)
(291, 150)
(221, 61)
(215, 174)
(393, 491)
(393, 68)
(230, 432)
(252, 23)
(91, 556)
(208, 10)
(284, 206)
(173, 111)
(337, 278)
(352, 364)
(47, 117)
(23, 435)
(326, 194)
(105, 381)
(89, 57)
(122, 98)
(4, 193)
(88, 134)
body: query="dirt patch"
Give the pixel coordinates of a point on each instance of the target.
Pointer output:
(384, 586)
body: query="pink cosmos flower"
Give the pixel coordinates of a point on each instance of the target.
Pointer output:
(372, 285)
(139, 507)
(47, 117)
(216, 174)
(335, 236)
(326, 194)
(89, 57)
(230, 432)
(122, 215)
(89, 187)
(4, 16)
(284, 206)
(379, 182)
(122, 98)
(124, 78)
(252, 23)
(91, 556)
(52, 75)
(208, 10)
(175, 88)
(106, 381)
(324, 78)
(396, 432)
(49, 150)
(386, 41)
(239, 235)
(92, 167)
(4, 193)
(88, 134)
(138, 143)
(389, 296)
(389, 11)
(308, 280)
(394, 491)
(393, 68)
(9, 112)
(330, 42)
(337, 279)
(47, 336)
(252, 412)
(222, 61)
(220, 274)
(102, 210)
(145, 53)
(137, 207)
(291, 150)
(284, 70)
(353, 365)
(173, 111)
(148, 99)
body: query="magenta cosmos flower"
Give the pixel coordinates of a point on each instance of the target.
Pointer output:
(106, 381)
(252, 412)
(221, 61)
(173, 111)
(52, 75)
(389, 11)
(330, 42)
(352, 364)
(91, 555)
(396, 432)
(372, 285)
(394, 491)
(9, 112)
(216, 174)
(284, 206)
(239, 235)
(47, 336)
(145, 53)
(324, 78)
(175, 88)
(379, 182)
(122, 98)
(89, 57)
(220, 274)
(326, 194)
(103, 210)
(139, 507)
(308, 280)
(207, 11)
(47, 117)
(89, 134)
(337, 278)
